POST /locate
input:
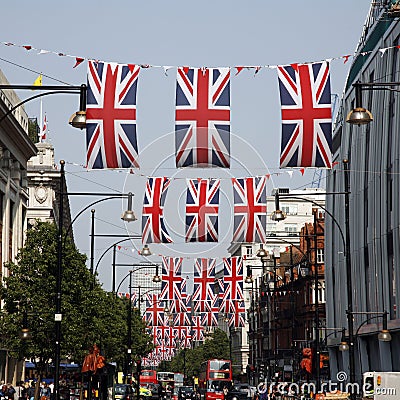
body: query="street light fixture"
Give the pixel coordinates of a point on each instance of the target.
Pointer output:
(249, 275)
(166, 309)
(344, 346)
(277, 215)
(129, 215)
(146, 251)
(77, 120)
(262, 253)
(383, 336)
(359, 115)
(25, 333)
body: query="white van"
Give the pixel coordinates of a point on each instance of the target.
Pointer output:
(381, 385)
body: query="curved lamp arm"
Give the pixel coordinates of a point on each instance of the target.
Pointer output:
(53, 90)
(328, 212)
(110, 247)
(87, 207)
(135, 270)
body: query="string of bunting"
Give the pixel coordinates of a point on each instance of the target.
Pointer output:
(131, 171)
(80, 59)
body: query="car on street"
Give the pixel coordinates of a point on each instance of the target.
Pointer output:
(145, 393)
(123, 391)
(244, 388)
(185, 392)
(235, 394)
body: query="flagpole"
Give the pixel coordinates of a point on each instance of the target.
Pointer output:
(41, 121)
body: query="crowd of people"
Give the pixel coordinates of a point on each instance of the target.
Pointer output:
(26, 391)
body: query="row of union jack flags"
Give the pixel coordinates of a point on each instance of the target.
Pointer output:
(210, 295)
(202, 207)
(203, 116)
(187, 316)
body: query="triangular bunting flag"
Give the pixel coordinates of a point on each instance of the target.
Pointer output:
(79, 61)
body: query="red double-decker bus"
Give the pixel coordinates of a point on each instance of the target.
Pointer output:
(215, 375)
(148, 376)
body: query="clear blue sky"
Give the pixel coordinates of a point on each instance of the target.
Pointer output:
(206, 33)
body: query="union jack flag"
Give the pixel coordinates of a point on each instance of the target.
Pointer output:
(163, 352)
(153, 226)
(202, 117)
(187, 339)
(233, 281)
(162, 333)
(210, 318)
(237, 316)
(306, 115)
(170, 352)
(197, 329)
(157, 340)
(171, 282)
(111, 116)
(249, 195)
(180, 332)
(202, 203)
(203, 286)
(182, 319)
(169, 338)
(154, 314)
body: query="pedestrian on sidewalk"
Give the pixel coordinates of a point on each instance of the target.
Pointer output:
(31, 391)
(19, 391)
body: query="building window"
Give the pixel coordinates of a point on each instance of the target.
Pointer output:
(291, 229)
(289, 209)
(248, 251)
(320, 256)
(321, 292)
(271, 229)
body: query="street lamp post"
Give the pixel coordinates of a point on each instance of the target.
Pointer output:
(78, 121)
(264, 257)
(184, 364)
(128, 370)
(226, 320)
(349, 279)
(128, 361)
(250, 280)
(59, 270)
(316, 305)
(156, 277)
(57, 314)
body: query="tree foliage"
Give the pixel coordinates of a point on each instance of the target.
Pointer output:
(89, 314)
